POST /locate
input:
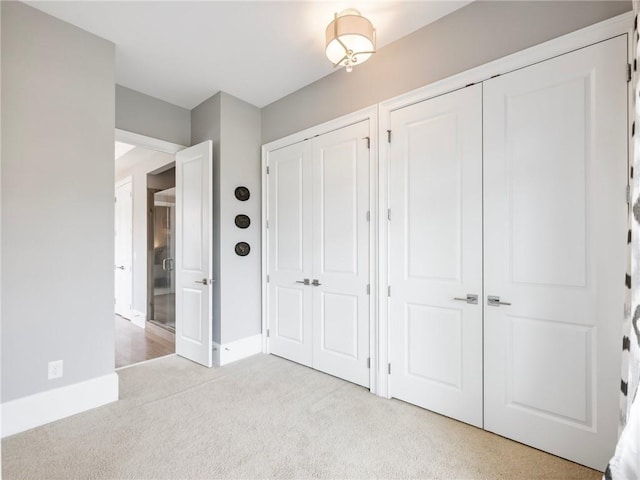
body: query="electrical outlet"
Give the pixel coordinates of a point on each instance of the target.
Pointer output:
(55, 369)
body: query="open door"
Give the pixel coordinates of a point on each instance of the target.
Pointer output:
(194, 186)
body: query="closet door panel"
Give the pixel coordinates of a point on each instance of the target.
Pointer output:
(555, 164)
(289, 237)
(435, 253)
(341, 253)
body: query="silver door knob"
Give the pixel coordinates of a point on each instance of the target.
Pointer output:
(315, 283)
(494, 301)
(121, 267)
(204, 281)
(304, 282)
(471, 299)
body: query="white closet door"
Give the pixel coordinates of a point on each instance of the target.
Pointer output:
(341, 253)
(555, 163)
(290, 253)
(436, 254)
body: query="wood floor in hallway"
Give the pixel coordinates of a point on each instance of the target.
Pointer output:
(135, 344)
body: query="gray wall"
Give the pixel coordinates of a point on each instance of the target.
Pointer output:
(234, 127)
(140, 113)
(474, 35)
(206, 125)
(240, 165)
(57, 202)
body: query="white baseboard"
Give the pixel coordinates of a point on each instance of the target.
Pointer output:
(41, 408)
(139, 319)
(233, 351)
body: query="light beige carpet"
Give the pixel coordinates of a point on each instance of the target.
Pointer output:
(264, 417)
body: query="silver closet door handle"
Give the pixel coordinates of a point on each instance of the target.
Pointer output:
(121, 267)
(471, 299)
(315, 283)
(164, 264)
(494, 301)
(204, 281)
(304, 282)
(170, 264)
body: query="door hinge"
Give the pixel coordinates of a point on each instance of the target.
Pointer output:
(268, 332)
(267, 223)
(628, 72)
(389, 136)
(368, 289)
(389, 291)
(389, 368)
(368, 142)
(389, 214)
(369, 362)
(115, 199)
(267, 278)
(267, 169)
(628, 195)
(368, 215)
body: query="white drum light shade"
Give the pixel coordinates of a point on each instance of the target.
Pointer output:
(350, 39)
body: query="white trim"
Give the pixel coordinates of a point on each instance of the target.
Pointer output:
(367, 113)
(605, 30)
(370, 114)
(373, 251)
(45, 407)
(383, 253)
(147, 142)
(233, 351)
(264, 183)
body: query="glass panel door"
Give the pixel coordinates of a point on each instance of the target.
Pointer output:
(163, 259)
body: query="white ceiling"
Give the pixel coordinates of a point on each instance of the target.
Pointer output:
(184, 52)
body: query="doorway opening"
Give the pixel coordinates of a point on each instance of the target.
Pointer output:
(144, 278)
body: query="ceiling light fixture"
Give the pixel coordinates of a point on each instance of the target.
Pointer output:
(350, 39)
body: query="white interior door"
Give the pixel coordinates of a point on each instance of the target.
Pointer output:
(435, 254)
(193, 256)
(289, 236)
(123, 250)
(341, 253)
(555, 164)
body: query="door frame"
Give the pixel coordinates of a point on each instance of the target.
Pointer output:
(613, 27)
(370, 114)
